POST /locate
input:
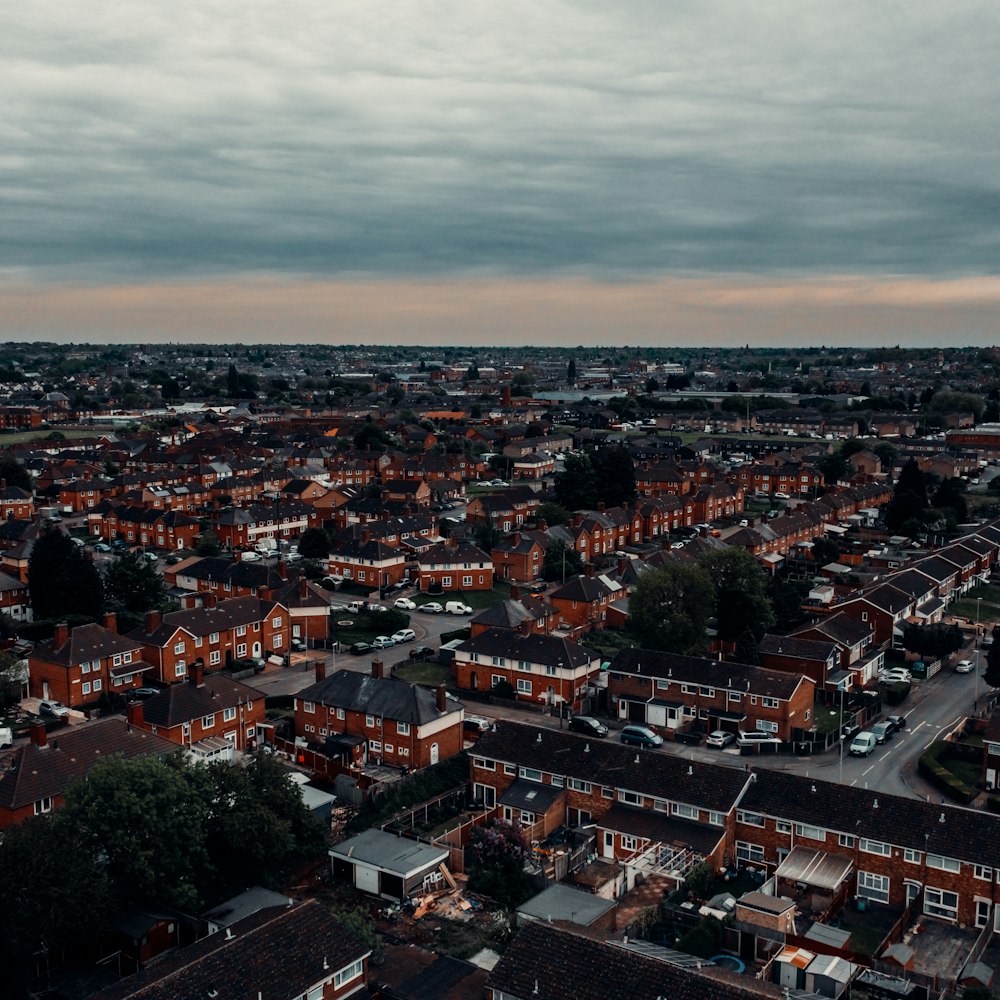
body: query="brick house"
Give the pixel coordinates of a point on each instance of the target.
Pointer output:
(671, 692)
(37, 774)
(287, 952)
(534, 465)
(819, 661)
(368, 561)
(161, 529)
(78, 666)
(243, 527)
(454, 565)
(523, 614)
(211, 716)
(403, 724)
(237, 629)
(582, 602)
(15, 599)
(519, 558)
(15, 502)
(542, 669)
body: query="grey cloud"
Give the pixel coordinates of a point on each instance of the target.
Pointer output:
(518, 139)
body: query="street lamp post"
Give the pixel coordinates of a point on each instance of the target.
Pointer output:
(979, 663)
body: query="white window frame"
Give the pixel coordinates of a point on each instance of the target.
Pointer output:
(873, 886)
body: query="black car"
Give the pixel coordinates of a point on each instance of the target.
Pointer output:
(360, 647)
(896, 721)
(423, 653)
(588, 726)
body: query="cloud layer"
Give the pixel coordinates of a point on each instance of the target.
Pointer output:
(150, 142)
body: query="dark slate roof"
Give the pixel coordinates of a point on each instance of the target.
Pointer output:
(914, 583)
(204, 621)
(545, 962)
(658, 775)
(384, 697)
(530, 795)
(33, 773)
(448, 554)
(840, 627)
(446, 978)
(965, 834)
(85, 642)
(184, 702)
(803, 649)
(585, 589)
(511, 614)
(702, 670)
(548, 649)
(651, 825)
(274, 953)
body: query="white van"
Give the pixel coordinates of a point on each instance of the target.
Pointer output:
(266, 547)
(457, 608)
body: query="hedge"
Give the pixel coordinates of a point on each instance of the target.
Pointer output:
(932, 768)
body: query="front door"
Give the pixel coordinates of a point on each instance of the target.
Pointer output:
(434, 753)
(609, 844)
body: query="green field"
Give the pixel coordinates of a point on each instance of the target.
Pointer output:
(422, 672)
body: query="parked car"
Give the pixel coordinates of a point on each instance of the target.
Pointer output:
(431, 607)
(964, 667)
(298, 645)
(862, 745)
(360, 647)
(897, 722)
(457, 608)
(640, 736)
(404, 604)
(102, 547)
(54, 708)
(423, 652)
(897, 675)
(172, 560)
(403, 635)
(587, 725)
(882, 731)
(720, 738)
(755, 738)
(383, 642)
(141, 694)
(779, 495)
(474, 726)
(331, 582)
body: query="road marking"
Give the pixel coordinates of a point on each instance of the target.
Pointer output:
(863, 773)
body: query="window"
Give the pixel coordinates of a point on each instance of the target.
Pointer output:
(749, 818)
(524, 685)
(369, 720)
(509, 769)
(85, 667)
(403, 728)
(389, 748)
(214, 637)
(941, 903)
(241, 650)
(607, 793)
(309, 706)
(276, 621)
(43, 806)
(445, 581)
(557, 781)
(717, 819)
(347, 974)
(981, 871)
(752, 853)
(197, 642)
(874, 887)
(466, 581)
(86, 687)
(375, 746)
(241, 630)
(228, 714)
(846, 840)
(529, 773)
(782, 826)
(180, 669)
(579, 786)
(943, 863)
(765, 726)
(483, 764)
(179, 647)
(215, 658)
(707, 692)
(875, 847)
(688, 812)
(809, 832)
(340, 714)
(631, 798)
(629, 843)
(276, 639)
(208, 721)
(116, 660)
(913, 857)
(769, 702)
(97, 684)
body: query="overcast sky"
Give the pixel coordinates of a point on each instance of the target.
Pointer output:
(580, 172)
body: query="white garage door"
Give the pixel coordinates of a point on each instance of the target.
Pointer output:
(366, 879)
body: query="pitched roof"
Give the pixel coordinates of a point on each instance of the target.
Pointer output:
(710, 786)
(85, 642)
(205, 621)
(277, 953)
(545, 962)
(34, 773)
(548, 649)
(383, 697)
(181, 703)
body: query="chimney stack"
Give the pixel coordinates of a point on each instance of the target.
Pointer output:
(134, 714)
(61, 636)
(515, 592)
(111, 621)
(378, 669)
(320, 670)
(37, 732)
(196, 672)
(588, 569)
(304, 588)
(208, 600)
(153, 620)
(441, 698)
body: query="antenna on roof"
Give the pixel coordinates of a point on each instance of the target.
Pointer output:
(538, 739)
(586, 748)
(941, 818)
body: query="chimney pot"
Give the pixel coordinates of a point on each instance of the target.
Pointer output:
(153, 620)
(38, 733)
(320, 670)
(197, 673)
(134, 713)
(441, 698)
(378, 669)
(111, 621)
(61, 635)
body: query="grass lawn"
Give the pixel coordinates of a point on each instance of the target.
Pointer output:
(969, 771)
(606, 642)
(829, 720)
(989, 609)
(476, 599)
(423, 672)
(19, 437)
(356, 633)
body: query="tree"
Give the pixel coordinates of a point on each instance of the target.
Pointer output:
(132, 585)
(991, 675)
(561, 562)
(615, 476)
(498, 851)
(61, 578)
(56, 895)
(671, 607)
(13, 472)
(208, 544)
(147, 816)
(576, 485)
(554, 513)
(909, 501)
(741, 599)
(932, 642)
(571, 372)
(949, 497)
(487, 536)
(314, 543)
(371, 437)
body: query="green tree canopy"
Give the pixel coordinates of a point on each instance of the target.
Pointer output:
(314, 543)
(932, 641)
(742, 603)
(13, 472)
(62, 580)
(670, 608)
(133, 585)
(498, 852)
(561, 562)
(208, 544)
(576, 485)
(615, 475)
